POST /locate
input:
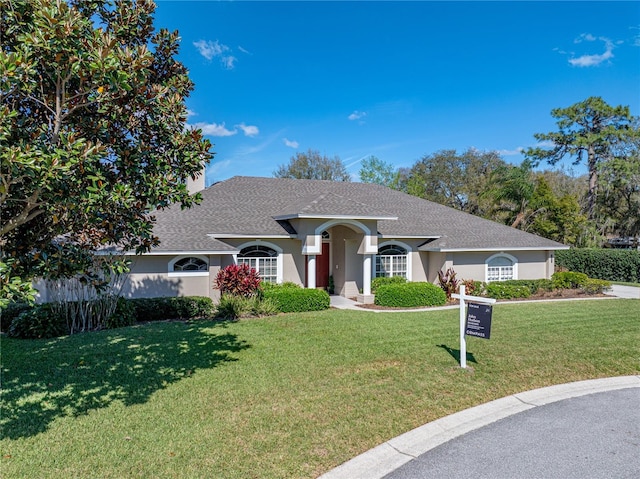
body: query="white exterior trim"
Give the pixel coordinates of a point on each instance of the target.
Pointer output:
(511, 258)
(501, 248)
(278, 249)
(409, 258)
(317, 249)
(329, 217)
(257, 237)
(176, 274)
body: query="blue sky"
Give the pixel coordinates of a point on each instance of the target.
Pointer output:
(397, 80)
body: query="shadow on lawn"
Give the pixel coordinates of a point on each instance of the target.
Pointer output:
(47, 379)
(456, 354)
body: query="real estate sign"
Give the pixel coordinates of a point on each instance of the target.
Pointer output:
(479, 320)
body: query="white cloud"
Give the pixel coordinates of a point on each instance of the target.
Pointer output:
(191, 113)
(517, 151)
(248, 130)
(357, 115)
(596, 59)
(216, 168)
(214, 129)
(587, 37)
(291, 143)
(244, 50)
(210, 50)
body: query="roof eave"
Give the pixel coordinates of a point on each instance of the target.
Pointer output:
(334, 217)
(503, 248)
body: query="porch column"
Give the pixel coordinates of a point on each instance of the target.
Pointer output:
(311, 271)
(366, 275)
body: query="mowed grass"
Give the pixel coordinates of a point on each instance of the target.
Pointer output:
(281, 397)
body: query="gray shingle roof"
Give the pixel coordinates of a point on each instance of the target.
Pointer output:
(248, 206)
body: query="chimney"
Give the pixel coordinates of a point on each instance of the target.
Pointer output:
(193, 186)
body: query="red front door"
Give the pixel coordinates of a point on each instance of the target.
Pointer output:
(322, 268)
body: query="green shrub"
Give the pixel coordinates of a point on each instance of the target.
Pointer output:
(380, 280)
(534, 285)
(9, 312)
(568, 280)
(192, 307)
(39, 321)
(595, 286)
(177, 307)
(610, 264)
(503, 290)
(410, 295)
(232, 307)
(264, 286)
(124, 315)
(289, 300)
(473, 287)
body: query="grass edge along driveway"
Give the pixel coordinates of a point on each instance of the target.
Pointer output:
(281, 397)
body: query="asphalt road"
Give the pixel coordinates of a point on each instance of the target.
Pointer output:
(592, 436)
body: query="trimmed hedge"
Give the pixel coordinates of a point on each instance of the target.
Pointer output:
(10, 312)
(595, 286)
(41, 321)
(410, 295)
(534, 285)
(290, 299)
(38, 322)
(568, 280)
(178, 307)
(506, 290)
(610, 264)
(380, 280)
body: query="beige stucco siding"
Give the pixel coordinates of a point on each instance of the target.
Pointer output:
(472, 265)
(149, 278)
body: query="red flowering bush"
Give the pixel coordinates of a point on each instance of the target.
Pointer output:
(238, 280)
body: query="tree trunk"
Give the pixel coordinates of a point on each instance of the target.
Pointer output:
(593, 183)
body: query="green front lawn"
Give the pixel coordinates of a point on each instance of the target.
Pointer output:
(281, 397)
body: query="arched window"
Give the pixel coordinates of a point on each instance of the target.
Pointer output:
(501, 267)
(263, 259)
(189, 265)
(391, 260)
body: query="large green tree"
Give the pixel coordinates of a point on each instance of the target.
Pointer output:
(92, 131)
(590, 131)
(452, 179)
(619, 198)
(312, 165)
(512, 189)
(376, 171)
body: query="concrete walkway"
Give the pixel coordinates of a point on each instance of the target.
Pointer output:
(586, 429)
(620, 291)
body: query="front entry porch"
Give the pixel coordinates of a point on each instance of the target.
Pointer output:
(347, 255)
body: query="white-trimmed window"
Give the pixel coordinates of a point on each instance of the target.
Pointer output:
(392, 260)
(189, 266)
(263, 259)
(501, 267)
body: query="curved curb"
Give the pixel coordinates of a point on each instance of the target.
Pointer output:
(387, 457)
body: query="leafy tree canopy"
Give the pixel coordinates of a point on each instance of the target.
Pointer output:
(455, 180)
(92, 131)
(590, 131)
(313, 166)
(374, 170)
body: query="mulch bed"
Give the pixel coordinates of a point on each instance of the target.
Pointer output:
(556, 294)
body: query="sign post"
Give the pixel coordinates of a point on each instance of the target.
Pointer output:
(463, 321)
